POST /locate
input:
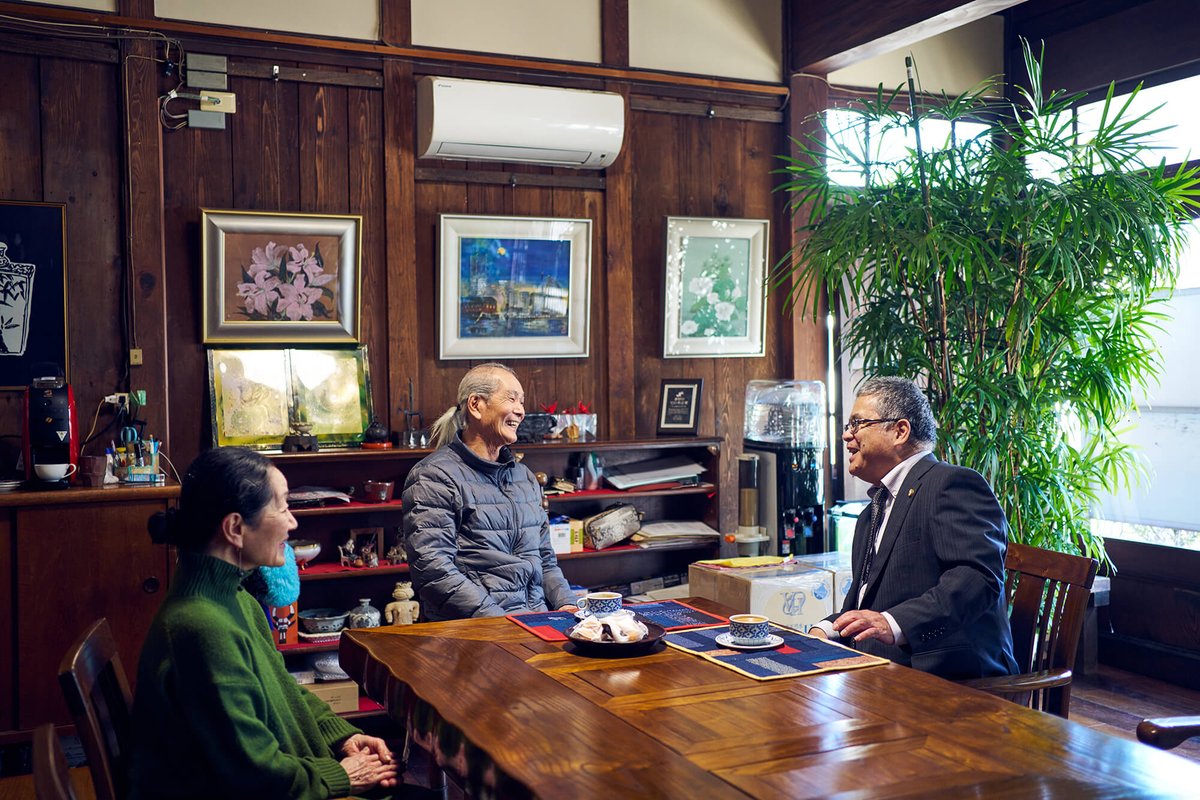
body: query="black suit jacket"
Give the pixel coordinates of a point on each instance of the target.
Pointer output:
(939, 572)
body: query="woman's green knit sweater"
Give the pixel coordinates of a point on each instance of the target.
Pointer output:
(216, 713)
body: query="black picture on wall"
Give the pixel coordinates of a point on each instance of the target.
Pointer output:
(33, 290)
(679, 406)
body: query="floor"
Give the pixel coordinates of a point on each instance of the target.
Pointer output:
(1115, 702)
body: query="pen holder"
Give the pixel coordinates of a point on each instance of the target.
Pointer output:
(146, 473)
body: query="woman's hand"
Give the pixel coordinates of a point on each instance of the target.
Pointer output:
(368, 762)
(368, 770)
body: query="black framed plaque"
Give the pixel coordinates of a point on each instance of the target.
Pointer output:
(33, 290)
(679, 406)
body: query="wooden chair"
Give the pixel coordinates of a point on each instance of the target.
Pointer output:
(99, 699)
(51, 780)
(1167, 732)
(1047, 598)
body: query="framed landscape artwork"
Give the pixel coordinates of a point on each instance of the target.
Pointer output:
(715, 287)
(256, 397)
(280, 278)
(514, 287)
(33, 291)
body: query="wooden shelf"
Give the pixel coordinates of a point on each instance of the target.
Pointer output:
(366, 708)
(627, 549)
(302, 647)
(331, 571)
(353, 507)
(604, 494)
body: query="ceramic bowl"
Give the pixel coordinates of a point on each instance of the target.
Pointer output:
(322, 620)
(306, 550)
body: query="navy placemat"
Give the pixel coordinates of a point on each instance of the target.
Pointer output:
(672, 615)
(799, 654)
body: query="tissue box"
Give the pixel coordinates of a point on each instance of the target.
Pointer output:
(843, 574)
(794, 595)
(342, 696)
(560, 534)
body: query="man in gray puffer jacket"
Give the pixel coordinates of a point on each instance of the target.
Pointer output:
(477, 537)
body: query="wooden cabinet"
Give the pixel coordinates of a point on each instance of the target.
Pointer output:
(325, 585)
(69, 557)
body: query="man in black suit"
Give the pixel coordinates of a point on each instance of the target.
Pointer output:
(928, 556)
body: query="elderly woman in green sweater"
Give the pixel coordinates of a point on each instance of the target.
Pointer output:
(216, 713)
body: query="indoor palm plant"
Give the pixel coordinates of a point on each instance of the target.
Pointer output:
(1015, 274)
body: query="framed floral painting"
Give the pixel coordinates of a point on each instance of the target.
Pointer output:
(715, 287)
(280, 278)
(514, 287)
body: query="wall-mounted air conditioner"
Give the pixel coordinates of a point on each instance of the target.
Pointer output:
(489, 121)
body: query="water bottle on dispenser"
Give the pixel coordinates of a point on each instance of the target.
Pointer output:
(786, 426)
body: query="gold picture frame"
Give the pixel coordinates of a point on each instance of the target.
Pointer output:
(257, 397)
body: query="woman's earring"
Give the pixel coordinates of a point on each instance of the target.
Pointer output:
(240, 560)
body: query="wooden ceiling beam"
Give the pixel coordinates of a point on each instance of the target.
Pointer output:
(827, 35)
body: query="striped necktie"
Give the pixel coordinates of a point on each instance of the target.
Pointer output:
(879, 498)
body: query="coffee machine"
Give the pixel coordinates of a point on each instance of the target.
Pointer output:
(51, 425)
(786, 425)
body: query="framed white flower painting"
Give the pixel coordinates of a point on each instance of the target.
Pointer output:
(280, 278)
(715, 287)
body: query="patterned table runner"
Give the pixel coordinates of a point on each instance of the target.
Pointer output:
(799, 654)
(672, 615)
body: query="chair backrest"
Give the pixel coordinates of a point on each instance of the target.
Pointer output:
(98, 697)
(51, 779)
(1048, 596)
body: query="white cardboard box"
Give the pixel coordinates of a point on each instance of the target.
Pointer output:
(560, 536)
(843, 573)
(795, 595)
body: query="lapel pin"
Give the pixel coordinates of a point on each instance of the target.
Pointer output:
(911, 492)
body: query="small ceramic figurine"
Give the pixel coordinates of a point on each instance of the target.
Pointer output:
(371, 558)
(403, 610)
(346, 551)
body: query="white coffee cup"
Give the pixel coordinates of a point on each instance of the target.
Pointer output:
(54, 472)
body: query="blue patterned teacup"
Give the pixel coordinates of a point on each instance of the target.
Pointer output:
(749, 629)
(600, 603)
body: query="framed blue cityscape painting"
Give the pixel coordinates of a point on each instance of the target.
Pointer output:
(514, 287)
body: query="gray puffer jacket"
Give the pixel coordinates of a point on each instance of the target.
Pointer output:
(477, 537)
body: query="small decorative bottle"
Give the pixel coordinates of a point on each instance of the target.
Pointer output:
(364, 615)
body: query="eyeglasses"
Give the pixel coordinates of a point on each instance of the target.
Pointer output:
(855, 423)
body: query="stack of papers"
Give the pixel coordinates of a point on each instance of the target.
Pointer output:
(674, 534)
(660, 470)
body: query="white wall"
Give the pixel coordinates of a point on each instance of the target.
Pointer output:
(348, 19)
(567, 30)
(952, 62)
(90, 5)
(729, 38)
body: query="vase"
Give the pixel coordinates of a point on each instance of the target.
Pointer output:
(364, 615)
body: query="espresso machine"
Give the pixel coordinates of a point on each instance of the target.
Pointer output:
(51, 429)
(786, 424)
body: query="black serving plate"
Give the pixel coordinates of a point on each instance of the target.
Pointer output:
(586, 647)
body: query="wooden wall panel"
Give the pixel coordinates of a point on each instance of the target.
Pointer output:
(81, 168)
(323, 148)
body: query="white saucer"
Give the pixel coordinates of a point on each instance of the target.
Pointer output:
(725, 640)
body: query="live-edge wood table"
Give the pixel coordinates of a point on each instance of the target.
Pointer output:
(511, 715)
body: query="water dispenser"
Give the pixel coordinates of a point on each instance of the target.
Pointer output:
(786, 426)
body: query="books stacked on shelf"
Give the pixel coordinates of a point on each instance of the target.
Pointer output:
(675, 533)
(316, 496)
(672, 470)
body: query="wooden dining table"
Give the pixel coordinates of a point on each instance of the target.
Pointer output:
(509, 715)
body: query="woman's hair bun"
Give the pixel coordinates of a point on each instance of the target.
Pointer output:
(164, 526)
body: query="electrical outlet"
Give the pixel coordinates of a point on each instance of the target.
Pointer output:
(225, 102)
(135, 357)
(118, 399)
